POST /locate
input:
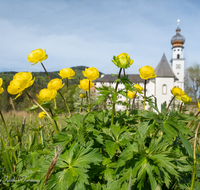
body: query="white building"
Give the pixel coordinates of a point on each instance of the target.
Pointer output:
(167, 76)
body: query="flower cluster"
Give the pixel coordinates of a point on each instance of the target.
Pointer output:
(20, 82)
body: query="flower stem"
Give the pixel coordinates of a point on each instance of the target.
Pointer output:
(194, 156)
(145, 83)
(14, 155)
(56, 130)
(65, 103)
(113, 107)
(45, 71)
(81, 105)
(180, 107)
(170, 103)
(67, 91)
(89, 98)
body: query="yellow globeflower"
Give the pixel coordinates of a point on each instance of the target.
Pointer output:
(42, 115)
(91, 73)
(138, 88)
(55, 84)
(186, 99)
(147, 72)
(84, 84)
(46, 94)
(198, 106)
(176, 91)
(20, 82)
(1, 82)
(122, 60)
(37, 55)
(67, 73)
(131, 94)
(82, 95)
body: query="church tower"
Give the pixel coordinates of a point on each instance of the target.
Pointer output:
(178, 60)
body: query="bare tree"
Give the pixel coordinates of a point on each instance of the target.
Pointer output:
(192, 81)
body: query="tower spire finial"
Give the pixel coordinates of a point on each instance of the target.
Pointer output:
(178, 21)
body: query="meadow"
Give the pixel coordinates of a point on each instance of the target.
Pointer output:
(95, 147)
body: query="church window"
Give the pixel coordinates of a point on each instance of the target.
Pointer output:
(164, 89)
(178, 56)
(177, 73)
(178, 49)
(174, 49)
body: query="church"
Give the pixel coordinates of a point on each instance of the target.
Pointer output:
(168, 76)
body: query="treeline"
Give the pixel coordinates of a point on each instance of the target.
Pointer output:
(41, 81)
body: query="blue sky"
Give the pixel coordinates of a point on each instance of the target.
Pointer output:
(90, 32)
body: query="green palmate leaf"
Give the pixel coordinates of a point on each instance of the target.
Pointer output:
(33, 107)
(96, 186)
(151, 176)
(62, 139)
(114, 97)
(74, 164)
(111, 147)
(169, 132)
(164, 108)
(186, 144)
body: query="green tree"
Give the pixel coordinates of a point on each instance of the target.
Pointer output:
(192, 81)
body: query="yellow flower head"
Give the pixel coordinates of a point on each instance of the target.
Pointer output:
(1, 82)
(46, 95)
(198, 106)
(176, 91)
(82, 95)
(138, 88)
(147, 72)
(84, 84)
(131, 94)
(122, 60)
(42, 115)
(20, 82)
(186, 99)
(67, 73)
(55, 84)
(91, 73)
(37, 55)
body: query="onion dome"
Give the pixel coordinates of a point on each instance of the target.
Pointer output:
(178, 39)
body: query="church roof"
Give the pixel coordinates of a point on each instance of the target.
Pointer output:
(163, 69)
(134, 78)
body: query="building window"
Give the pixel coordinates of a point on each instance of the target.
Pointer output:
(177, 73)
(178, 49)
(164, 89)
(178, 56)
(174, 49)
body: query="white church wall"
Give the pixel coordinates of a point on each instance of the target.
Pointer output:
(163, 90)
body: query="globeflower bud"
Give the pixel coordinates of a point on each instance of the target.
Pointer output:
(42, 115)
(122, 61)
(147, 72)
(84, 84)
(1, 82)
(91, 73)
(138, 88)
(46, 95)
(37, 55)
(131, 94)
(55, 84)
(67, 73)
(82, 95)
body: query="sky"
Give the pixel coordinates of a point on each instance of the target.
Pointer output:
(90, 32)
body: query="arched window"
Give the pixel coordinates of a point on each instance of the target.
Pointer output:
(178, 56)
(164, 89)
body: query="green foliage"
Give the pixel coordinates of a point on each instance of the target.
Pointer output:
(141, 150)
